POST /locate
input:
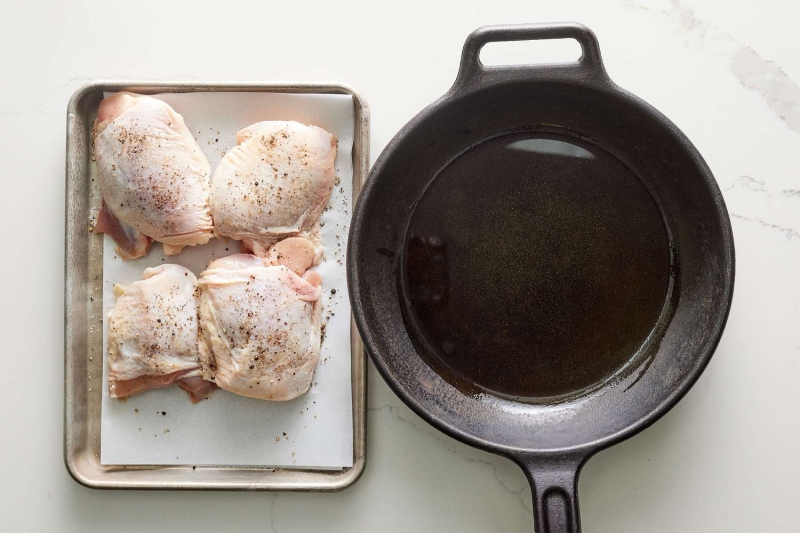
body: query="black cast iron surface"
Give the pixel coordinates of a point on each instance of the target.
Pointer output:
(540, 264)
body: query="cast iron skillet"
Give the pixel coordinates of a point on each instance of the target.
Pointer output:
(550, 441)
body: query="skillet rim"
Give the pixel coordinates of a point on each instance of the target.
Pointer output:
(586, 449)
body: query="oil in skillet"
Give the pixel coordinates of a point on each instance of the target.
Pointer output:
(536, 265)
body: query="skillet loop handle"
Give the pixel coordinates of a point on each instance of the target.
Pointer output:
(472, 68)
(554, 487)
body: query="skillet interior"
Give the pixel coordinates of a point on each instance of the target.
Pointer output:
(536, 267)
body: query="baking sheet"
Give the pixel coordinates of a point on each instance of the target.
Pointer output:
(162, 427)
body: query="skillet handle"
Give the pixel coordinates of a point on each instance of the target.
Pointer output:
(471, 67)
(554, 487)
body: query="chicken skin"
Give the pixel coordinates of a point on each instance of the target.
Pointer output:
(153, 176)
(152, 335)
(274, 184)
(260, 321)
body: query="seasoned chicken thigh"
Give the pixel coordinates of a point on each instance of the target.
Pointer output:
(153, 176)
(260, 322)
(274, 184)
(152, 335)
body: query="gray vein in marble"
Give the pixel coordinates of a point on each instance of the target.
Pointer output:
(35, 109)
(788, 232)
(272, 513)
(765, 77)
(771, 82)
(394, 412)
(691, 24)
(748, 182)
(752, 184)
(697, 32)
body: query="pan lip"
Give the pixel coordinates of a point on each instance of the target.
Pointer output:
(586, 449)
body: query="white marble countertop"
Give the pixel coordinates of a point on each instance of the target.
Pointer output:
(723, 460)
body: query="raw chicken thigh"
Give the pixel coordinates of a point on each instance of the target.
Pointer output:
(153, 176)
(152, 335)
(260, 322)
(274, 184)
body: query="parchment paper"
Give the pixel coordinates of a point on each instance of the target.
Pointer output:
(162, 427)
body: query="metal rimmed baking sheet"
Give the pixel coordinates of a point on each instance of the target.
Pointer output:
(83, 320)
